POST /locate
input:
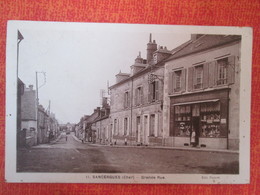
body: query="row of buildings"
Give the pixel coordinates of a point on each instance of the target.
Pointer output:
(170, 93)
(35, 124)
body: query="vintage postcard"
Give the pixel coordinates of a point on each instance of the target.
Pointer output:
(127, 103)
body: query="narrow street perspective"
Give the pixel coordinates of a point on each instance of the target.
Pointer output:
(173, 108)
(71, 156)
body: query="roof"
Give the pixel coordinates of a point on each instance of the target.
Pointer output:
(205, 42)
(140, 65)
(148, 67)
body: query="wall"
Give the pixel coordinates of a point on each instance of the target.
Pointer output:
(145, 109)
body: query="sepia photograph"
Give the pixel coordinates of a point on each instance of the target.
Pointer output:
(127, 103)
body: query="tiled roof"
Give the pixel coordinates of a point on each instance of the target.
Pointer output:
(203, 43)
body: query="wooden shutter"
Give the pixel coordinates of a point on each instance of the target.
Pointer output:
(136, 96)
(161, 90)
(149, 92)
(231, 70)
(205, 75)
(212, 73)
(190, 78)
(170, 88)
(173, 82)
(183, 80)
(141, 95)
(156, 90)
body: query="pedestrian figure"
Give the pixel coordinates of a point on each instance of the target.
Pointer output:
(125, 141)
(193, 138)
(66, 137)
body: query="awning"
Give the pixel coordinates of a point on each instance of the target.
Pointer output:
(196, 102)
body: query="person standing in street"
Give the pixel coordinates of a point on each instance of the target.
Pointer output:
(193, 138)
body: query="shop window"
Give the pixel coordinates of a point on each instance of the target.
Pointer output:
(182, 120)
(210, 119)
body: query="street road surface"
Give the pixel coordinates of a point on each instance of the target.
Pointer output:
(72, 156)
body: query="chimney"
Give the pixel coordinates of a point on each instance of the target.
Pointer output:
(31, 87)
(151, 47)
(195, 36)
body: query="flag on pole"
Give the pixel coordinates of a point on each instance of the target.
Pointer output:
(20, 36)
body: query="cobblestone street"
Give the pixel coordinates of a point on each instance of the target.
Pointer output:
(72, 156)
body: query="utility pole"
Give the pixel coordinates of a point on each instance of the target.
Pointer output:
(37, 101)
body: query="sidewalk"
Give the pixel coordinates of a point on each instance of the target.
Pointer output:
(162, 147)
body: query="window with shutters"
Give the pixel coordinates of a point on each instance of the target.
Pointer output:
(198, 77)
(126, 100)
(222, 68)
(153, 91)
(177, 81)
(139, 96)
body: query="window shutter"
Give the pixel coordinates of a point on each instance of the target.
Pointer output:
(183, 80)
(212, 73)
(136, 96)
(173, 81)
(141, 96)
(190, 78)
(149, 92)
(161, 90)
(205, 75)
(156, 90)
(170, 88)
(231, 70)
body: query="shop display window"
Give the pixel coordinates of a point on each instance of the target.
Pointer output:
(183, 120)
(209, 116)
(210, 119)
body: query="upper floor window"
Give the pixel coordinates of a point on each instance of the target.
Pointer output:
(222, 69)
(139, 96)
(153, 91)
(198, 77)
(177, 81)
(126, 100)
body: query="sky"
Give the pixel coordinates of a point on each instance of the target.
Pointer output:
(81, 59)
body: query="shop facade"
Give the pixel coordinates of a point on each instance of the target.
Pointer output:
(205, 113)
(202, 92)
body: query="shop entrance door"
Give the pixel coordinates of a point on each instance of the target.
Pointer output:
(196, 127)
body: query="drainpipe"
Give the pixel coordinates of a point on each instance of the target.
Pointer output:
(228, 99)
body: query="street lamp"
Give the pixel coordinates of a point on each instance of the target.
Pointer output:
(19, 39)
